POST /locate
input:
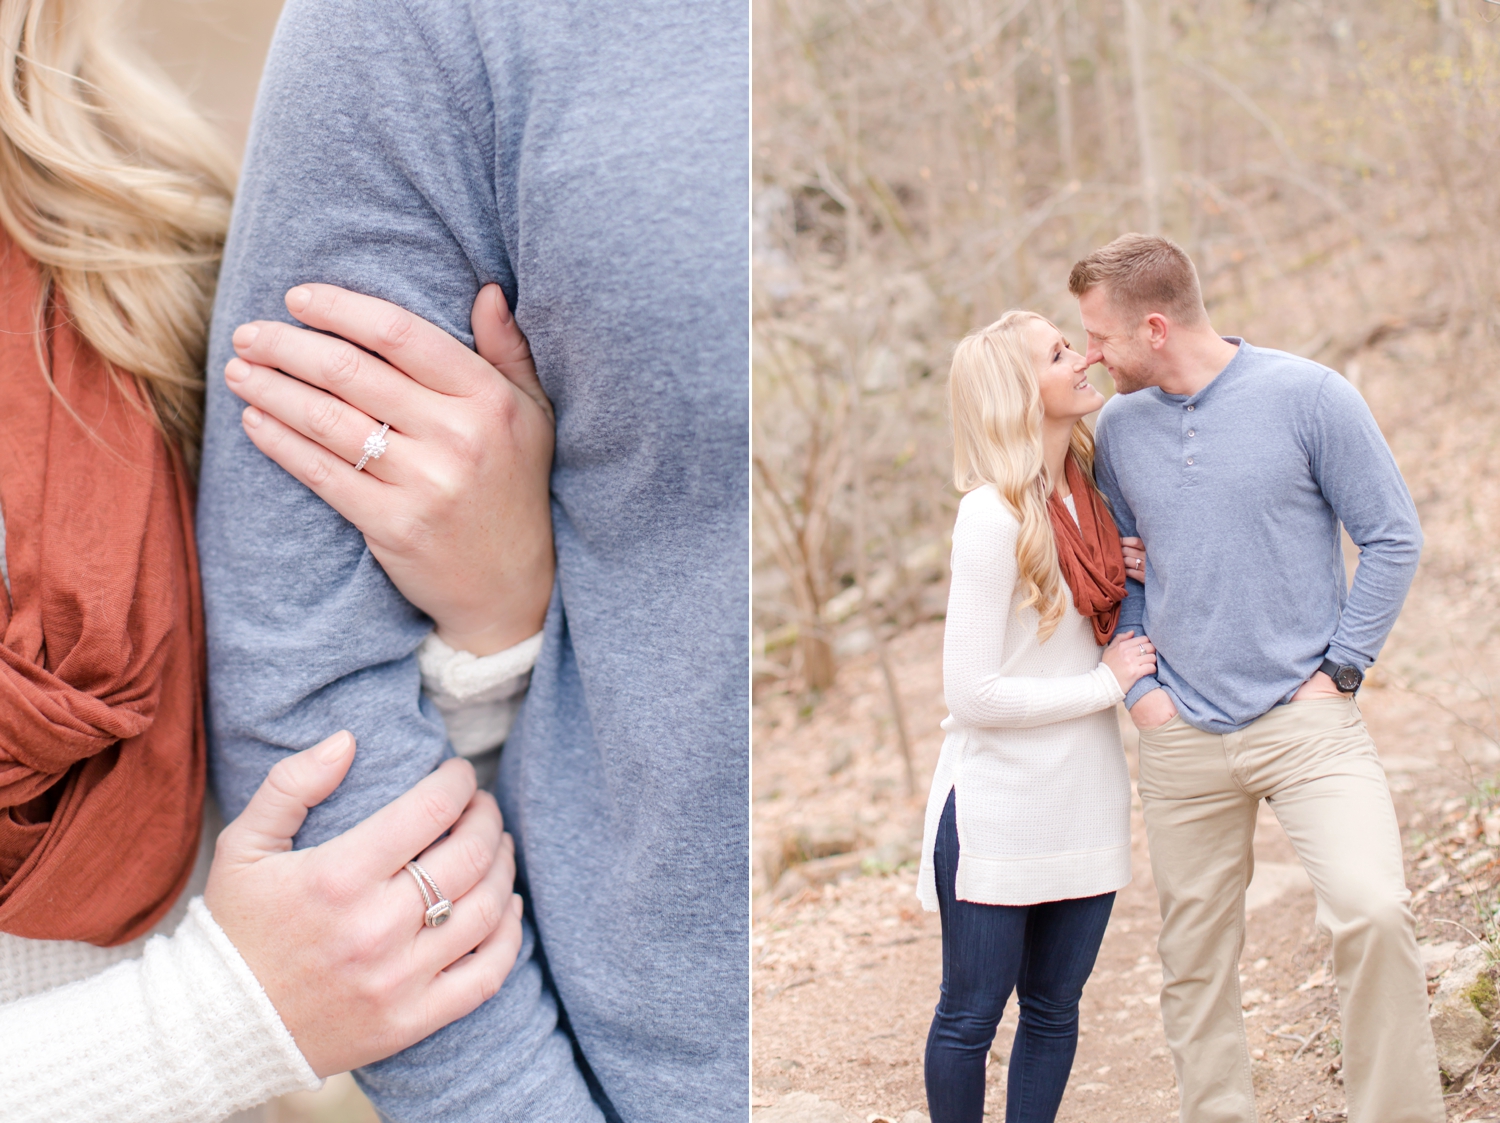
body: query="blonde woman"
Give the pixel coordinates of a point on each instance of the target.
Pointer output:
(1027, 833)
(128, 990)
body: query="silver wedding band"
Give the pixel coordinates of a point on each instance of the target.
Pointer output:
(375, 446)
(438, 907)
(1143, 649)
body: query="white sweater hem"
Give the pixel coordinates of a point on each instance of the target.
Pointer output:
(1037, 878)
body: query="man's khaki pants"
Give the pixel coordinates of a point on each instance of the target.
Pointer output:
(1315, 764)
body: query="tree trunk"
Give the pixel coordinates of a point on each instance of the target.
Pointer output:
(1135, 32)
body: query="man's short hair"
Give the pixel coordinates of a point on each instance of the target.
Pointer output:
(1143, 273)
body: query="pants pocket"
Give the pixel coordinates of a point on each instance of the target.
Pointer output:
(1173, 758)
(1174, 722)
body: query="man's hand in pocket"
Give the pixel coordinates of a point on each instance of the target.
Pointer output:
(1153, 710)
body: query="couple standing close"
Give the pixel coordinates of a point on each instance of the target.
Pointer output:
(377, 509)
(1237, 645)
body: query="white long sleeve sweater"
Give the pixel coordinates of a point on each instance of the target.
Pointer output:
(175, 1028)
(181, 1033)
(1032, 750)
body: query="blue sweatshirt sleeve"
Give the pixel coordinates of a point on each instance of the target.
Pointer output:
(1133, 608)
(365, 158)
(1359, 477)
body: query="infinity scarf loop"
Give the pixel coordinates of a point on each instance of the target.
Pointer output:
(102, 747)
(1088, 552)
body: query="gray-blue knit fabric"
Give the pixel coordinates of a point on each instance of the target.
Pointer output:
(592, 159)
(1238, 492)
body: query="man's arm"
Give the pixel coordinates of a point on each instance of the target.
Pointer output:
(370, 165)
(1359, 477)
(1133, 608)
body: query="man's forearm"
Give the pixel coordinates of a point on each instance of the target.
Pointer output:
(1132, 608)
(301, 645)
(1143, 686)
(1362, 483)
(1381, 582)
(307, 635)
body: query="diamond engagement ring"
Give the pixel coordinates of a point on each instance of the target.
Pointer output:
(375, 446)
(439, 908)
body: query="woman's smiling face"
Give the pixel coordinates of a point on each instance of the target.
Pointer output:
(1061, 375)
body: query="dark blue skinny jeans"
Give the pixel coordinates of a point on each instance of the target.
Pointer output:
(1044, 953)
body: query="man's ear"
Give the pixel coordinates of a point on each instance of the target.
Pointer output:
(1157, 328)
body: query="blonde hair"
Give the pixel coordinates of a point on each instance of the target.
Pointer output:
(996, 405)
(120, 191)
(1142, 274)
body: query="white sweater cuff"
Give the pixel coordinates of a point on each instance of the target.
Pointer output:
(183, 1034)
(478, 696)
(1110, 683)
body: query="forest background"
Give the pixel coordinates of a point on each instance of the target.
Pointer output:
(920, 166)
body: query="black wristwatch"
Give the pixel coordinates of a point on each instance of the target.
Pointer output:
(1346, 676)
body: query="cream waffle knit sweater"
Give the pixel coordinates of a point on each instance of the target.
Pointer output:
(1033, 745)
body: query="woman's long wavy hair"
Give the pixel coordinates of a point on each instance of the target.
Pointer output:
(120, 191)
(996, 406)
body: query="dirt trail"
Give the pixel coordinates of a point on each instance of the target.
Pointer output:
(846, 972)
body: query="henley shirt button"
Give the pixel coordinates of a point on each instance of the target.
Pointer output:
(1190, 409)
(1192, 432)
(1190, 459)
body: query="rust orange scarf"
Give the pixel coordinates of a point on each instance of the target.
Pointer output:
(101, 641)
(1088, 552)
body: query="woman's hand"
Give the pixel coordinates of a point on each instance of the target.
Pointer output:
(456, 510)
(335, 933)
(1130, 659)
(1135, 558)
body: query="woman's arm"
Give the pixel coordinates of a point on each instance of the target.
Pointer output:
(310, 963)
(185, 1034)
(977, 691)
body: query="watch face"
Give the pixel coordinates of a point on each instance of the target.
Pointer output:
(1348, 679)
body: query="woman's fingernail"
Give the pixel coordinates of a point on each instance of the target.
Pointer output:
(245, 334)
(252, 417)
(236, 370)
(298, 298)
(337, 746)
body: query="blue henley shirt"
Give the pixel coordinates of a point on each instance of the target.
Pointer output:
(1238, 492)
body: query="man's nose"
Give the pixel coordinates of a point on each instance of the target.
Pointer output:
(1095, 355)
